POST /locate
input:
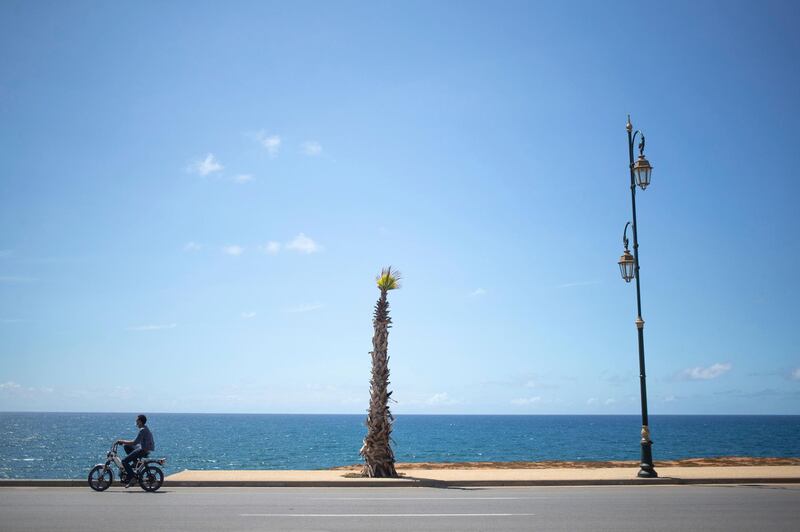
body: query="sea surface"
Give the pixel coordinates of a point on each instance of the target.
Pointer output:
(67, 445)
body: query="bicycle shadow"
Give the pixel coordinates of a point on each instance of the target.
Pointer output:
(137, 491)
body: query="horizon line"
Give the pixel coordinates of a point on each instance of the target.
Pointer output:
(150, 413)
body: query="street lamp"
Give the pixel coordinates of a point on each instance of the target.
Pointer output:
(626, 262)
(642, 168)
(629, 269)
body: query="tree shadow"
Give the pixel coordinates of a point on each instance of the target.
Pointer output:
(439, 484)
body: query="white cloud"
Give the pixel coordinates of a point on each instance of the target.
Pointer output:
(669, 399)
(477, 292)
(440, 398)
(272, 247)
(153, 327)
(303, 244)
(796, 374)
(243, 178)
(16, 391)
(703, 374)
(432, 401)
(271, 142)
(206, 166)
(248, 315)
(312, 148)
(526, 401)
(303, 308)
(233, 250)
(192, 246)
(591, 401)
(610, 401)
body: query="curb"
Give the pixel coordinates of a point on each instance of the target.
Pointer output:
(662, 481)
(416, 482)
(387, 483)
(43, 483)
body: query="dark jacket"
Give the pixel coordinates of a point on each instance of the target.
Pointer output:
(145, 439)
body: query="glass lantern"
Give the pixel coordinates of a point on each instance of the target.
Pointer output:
(642, 171)
(627, 266)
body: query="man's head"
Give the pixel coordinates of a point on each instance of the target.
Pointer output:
(141, 420)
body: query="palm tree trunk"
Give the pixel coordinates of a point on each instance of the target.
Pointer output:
(377, 450)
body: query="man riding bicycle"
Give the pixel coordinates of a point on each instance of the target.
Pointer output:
(138, 448)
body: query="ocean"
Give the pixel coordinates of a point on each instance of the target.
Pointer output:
(66, 445)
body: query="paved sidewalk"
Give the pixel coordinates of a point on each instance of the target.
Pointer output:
(278, 478)
(494, 477)
(601, 476)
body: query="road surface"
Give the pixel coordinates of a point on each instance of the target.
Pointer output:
(613, 508)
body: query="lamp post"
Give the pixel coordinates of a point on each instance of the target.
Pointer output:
(629, 269)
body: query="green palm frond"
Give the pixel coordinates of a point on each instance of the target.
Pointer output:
(389, 279)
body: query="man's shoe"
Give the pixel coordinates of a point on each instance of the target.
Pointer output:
(128, 484)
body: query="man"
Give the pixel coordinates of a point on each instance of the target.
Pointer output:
(138, 448)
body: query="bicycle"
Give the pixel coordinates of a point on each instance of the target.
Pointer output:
(146, 472)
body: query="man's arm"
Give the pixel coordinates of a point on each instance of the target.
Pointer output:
(132, 442)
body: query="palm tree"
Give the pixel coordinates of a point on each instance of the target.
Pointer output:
(377, 449)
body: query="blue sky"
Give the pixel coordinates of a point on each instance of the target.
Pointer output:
(195, 199)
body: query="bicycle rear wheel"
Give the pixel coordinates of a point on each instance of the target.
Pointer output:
(151, 478)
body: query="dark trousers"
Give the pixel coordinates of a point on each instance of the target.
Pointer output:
(133, 455)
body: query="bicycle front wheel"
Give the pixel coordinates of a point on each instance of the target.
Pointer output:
(100, 478)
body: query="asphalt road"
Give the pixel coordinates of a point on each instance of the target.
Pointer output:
(612, 508)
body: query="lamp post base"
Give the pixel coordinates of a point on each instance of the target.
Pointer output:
(646, 468)
(647, 471)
